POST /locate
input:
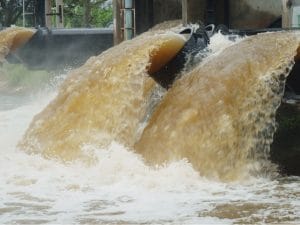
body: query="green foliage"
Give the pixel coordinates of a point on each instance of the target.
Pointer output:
(102, 17)
(87, 13)
(77, 13)
(73, 16)
(11, 12)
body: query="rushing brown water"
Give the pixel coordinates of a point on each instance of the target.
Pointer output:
(229, 98)
(104, 100)
(13, 38)
(221, 116)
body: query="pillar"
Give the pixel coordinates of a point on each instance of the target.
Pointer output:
(286, 13)
(206, 11)
(48, 11)
(193, 11)
(59, 13)
(117, 21)
(40, 14)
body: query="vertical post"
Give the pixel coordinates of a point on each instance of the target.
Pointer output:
(48, 11)
(117, 21)
(23, 13)
(60, 13)
(193, 11)
(286, 13)
(86, 13)
(129, 26)
(40, 16)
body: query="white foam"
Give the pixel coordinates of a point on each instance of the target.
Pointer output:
(120, 188)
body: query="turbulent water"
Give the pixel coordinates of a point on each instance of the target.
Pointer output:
(12, 38)
(104, 100)
(242, 93)
(221, 115)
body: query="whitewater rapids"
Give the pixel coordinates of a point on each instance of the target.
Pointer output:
(120, 188)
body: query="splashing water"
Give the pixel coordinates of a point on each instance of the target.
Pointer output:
(104, 100)
(13, 38)
(221, 116)
(120, 188)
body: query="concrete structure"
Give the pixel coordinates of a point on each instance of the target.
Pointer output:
(47, 12)
(170, 9)
(242, 14)
(208, 12)
(251, 14)
(60, 48)
(59, 14)
(193, 11)
(291, 13)
(147, 14)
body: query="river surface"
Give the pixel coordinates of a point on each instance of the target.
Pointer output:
(119, 187)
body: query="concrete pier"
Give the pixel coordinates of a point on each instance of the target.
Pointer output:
(147, 14)
(193, 11)
(242, 14)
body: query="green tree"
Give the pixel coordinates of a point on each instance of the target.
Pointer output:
(87, 13)
(78, 13)
(12, 10)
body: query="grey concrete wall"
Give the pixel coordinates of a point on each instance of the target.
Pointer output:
(287, 15)
(243, 14)
(144, 15)
(193, 11)
(151, 12)
(250, 14)
(166, 10)
(59, 48)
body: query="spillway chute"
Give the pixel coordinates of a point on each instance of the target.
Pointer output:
(13, 38)
(106, 99)
(221, 115)
(197, 40)
(221, 109)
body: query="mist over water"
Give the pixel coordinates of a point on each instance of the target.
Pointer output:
(119, 187)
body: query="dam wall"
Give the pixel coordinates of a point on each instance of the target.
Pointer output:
(60, 48)
(243, 14)
(252, 14)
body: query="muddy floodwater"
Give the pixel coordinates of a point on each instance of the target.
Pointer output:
(104, 144)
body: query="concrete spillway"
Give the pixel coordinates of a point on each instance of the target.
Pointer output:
(59, 48)
(224, 109)
(159, 54)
